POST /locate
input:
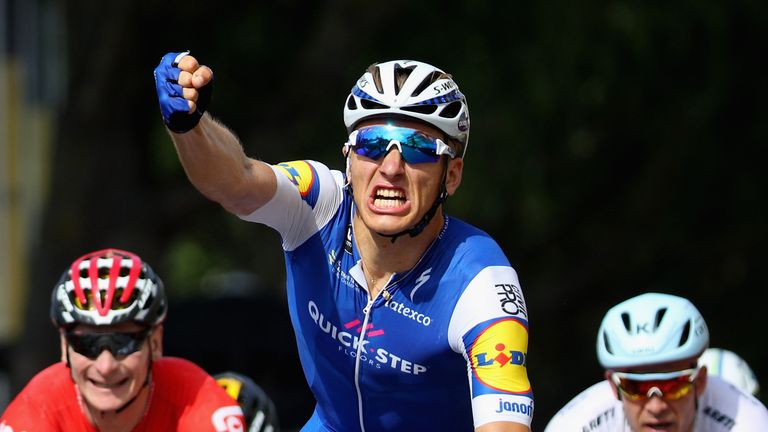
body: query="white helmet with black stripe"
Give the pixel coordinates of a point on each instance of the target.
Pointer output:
(410, 89)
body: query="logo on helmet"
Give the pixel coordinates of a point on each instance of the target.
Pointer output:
(499, 356)
(463, 122)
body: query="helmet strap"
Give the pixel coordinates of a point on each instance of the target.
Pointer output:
(415, 230)
(146, 383)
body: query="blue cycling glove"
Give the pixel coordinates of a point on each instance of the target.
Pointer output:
(173, 106)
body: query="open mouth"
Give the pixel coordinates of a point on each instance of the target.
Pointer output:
(388, 198)
(661, 426)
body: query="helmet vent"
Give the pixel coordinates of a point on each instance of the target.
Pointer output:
(607, 344)
(421, 109)
(625, 320)
(401, 76)
(429, 79)
(376, 75)
(351, 105)
(659, 316)
(686, 332)
(369, 104)
(452, 110)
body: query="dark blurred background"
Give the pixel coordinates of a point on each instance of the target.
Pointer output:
(615, 149)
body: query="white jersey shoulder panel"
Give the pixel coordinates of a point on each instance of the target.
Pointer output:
(293, 216)
(481, 302)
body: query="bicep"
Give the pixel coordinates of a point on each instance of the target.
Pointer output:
(502, 427)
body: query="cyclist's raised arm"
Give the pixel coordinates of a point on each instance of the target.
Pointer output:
(211, 154)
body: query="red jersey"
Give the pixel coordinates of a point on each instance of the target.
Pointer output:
(183, 398)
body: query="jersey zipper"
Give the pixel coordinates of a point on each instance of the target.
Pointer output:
(366, 312)
(360, 351)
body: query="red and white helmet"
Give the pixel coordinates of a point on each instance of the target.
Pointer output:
(427, 94)
(108, 287)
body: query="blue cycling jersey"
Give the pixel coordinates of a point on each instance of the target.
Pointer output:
(442, 347)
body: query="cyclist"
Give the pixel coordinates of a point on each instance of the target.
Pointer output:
(405, 318)
(732, 368)
(258, 408)
(649, 346)
(109, 307)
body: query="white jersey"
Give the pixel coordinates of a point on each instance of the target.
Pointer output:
(722, 408)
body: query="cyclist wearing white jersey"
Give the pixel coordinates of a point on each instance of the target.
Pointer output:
(649, 346)
(732, 368)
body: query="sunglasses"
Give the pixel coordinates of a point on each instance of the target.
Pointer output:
(669, 386)
(414, 145)
(119, 344)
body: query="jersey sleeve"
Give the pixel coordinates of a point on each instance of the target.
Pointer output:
(489, 327)
(211, 409)
(24, 414)
(48, 403)
(307, 197)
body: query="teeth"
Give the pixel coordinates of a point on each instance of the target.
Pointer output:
(390, 193)
(386, 203)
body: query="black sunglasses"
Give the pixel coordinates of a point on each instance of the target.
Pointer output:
(119, 344)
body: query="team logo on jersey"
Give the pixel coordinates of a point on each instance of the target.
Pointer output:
(511, 299)
(499, 354)
(363, 349)
(228, 419)
(304, 176)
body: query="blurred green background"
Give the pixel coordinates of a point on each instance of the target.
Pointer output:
(617, 147)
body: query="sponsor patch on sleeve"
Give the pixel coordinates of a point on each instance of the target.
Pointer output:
(303, 175)
(498, 350)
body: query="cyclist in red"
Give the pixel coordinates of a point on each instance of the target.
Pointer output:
(109, 307)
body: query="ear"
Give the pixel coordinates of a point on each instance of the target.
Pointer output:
(616, 393)
(156, 342)
(347, 165)
(64, 346)
(453, 175)
(701, 381)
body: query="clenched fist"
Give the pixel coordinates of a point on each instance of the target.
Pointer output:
(184, 89)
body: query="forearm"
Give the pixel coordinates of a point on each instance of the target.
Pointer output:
(217, 166)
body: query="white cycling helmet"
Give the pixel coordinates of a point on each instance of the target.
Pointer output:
(427, 94)
(730, 367)
(651, 329)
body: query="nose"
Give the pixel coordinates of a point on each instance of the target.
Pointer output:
(106, 363)
(656, 405)
(392, 164)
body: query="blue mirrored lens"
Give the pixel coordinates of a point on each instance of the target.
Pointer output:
(417, 147)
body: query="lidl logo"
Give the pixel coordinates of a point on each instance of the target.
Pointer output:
(304, 176)
(499, 356)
